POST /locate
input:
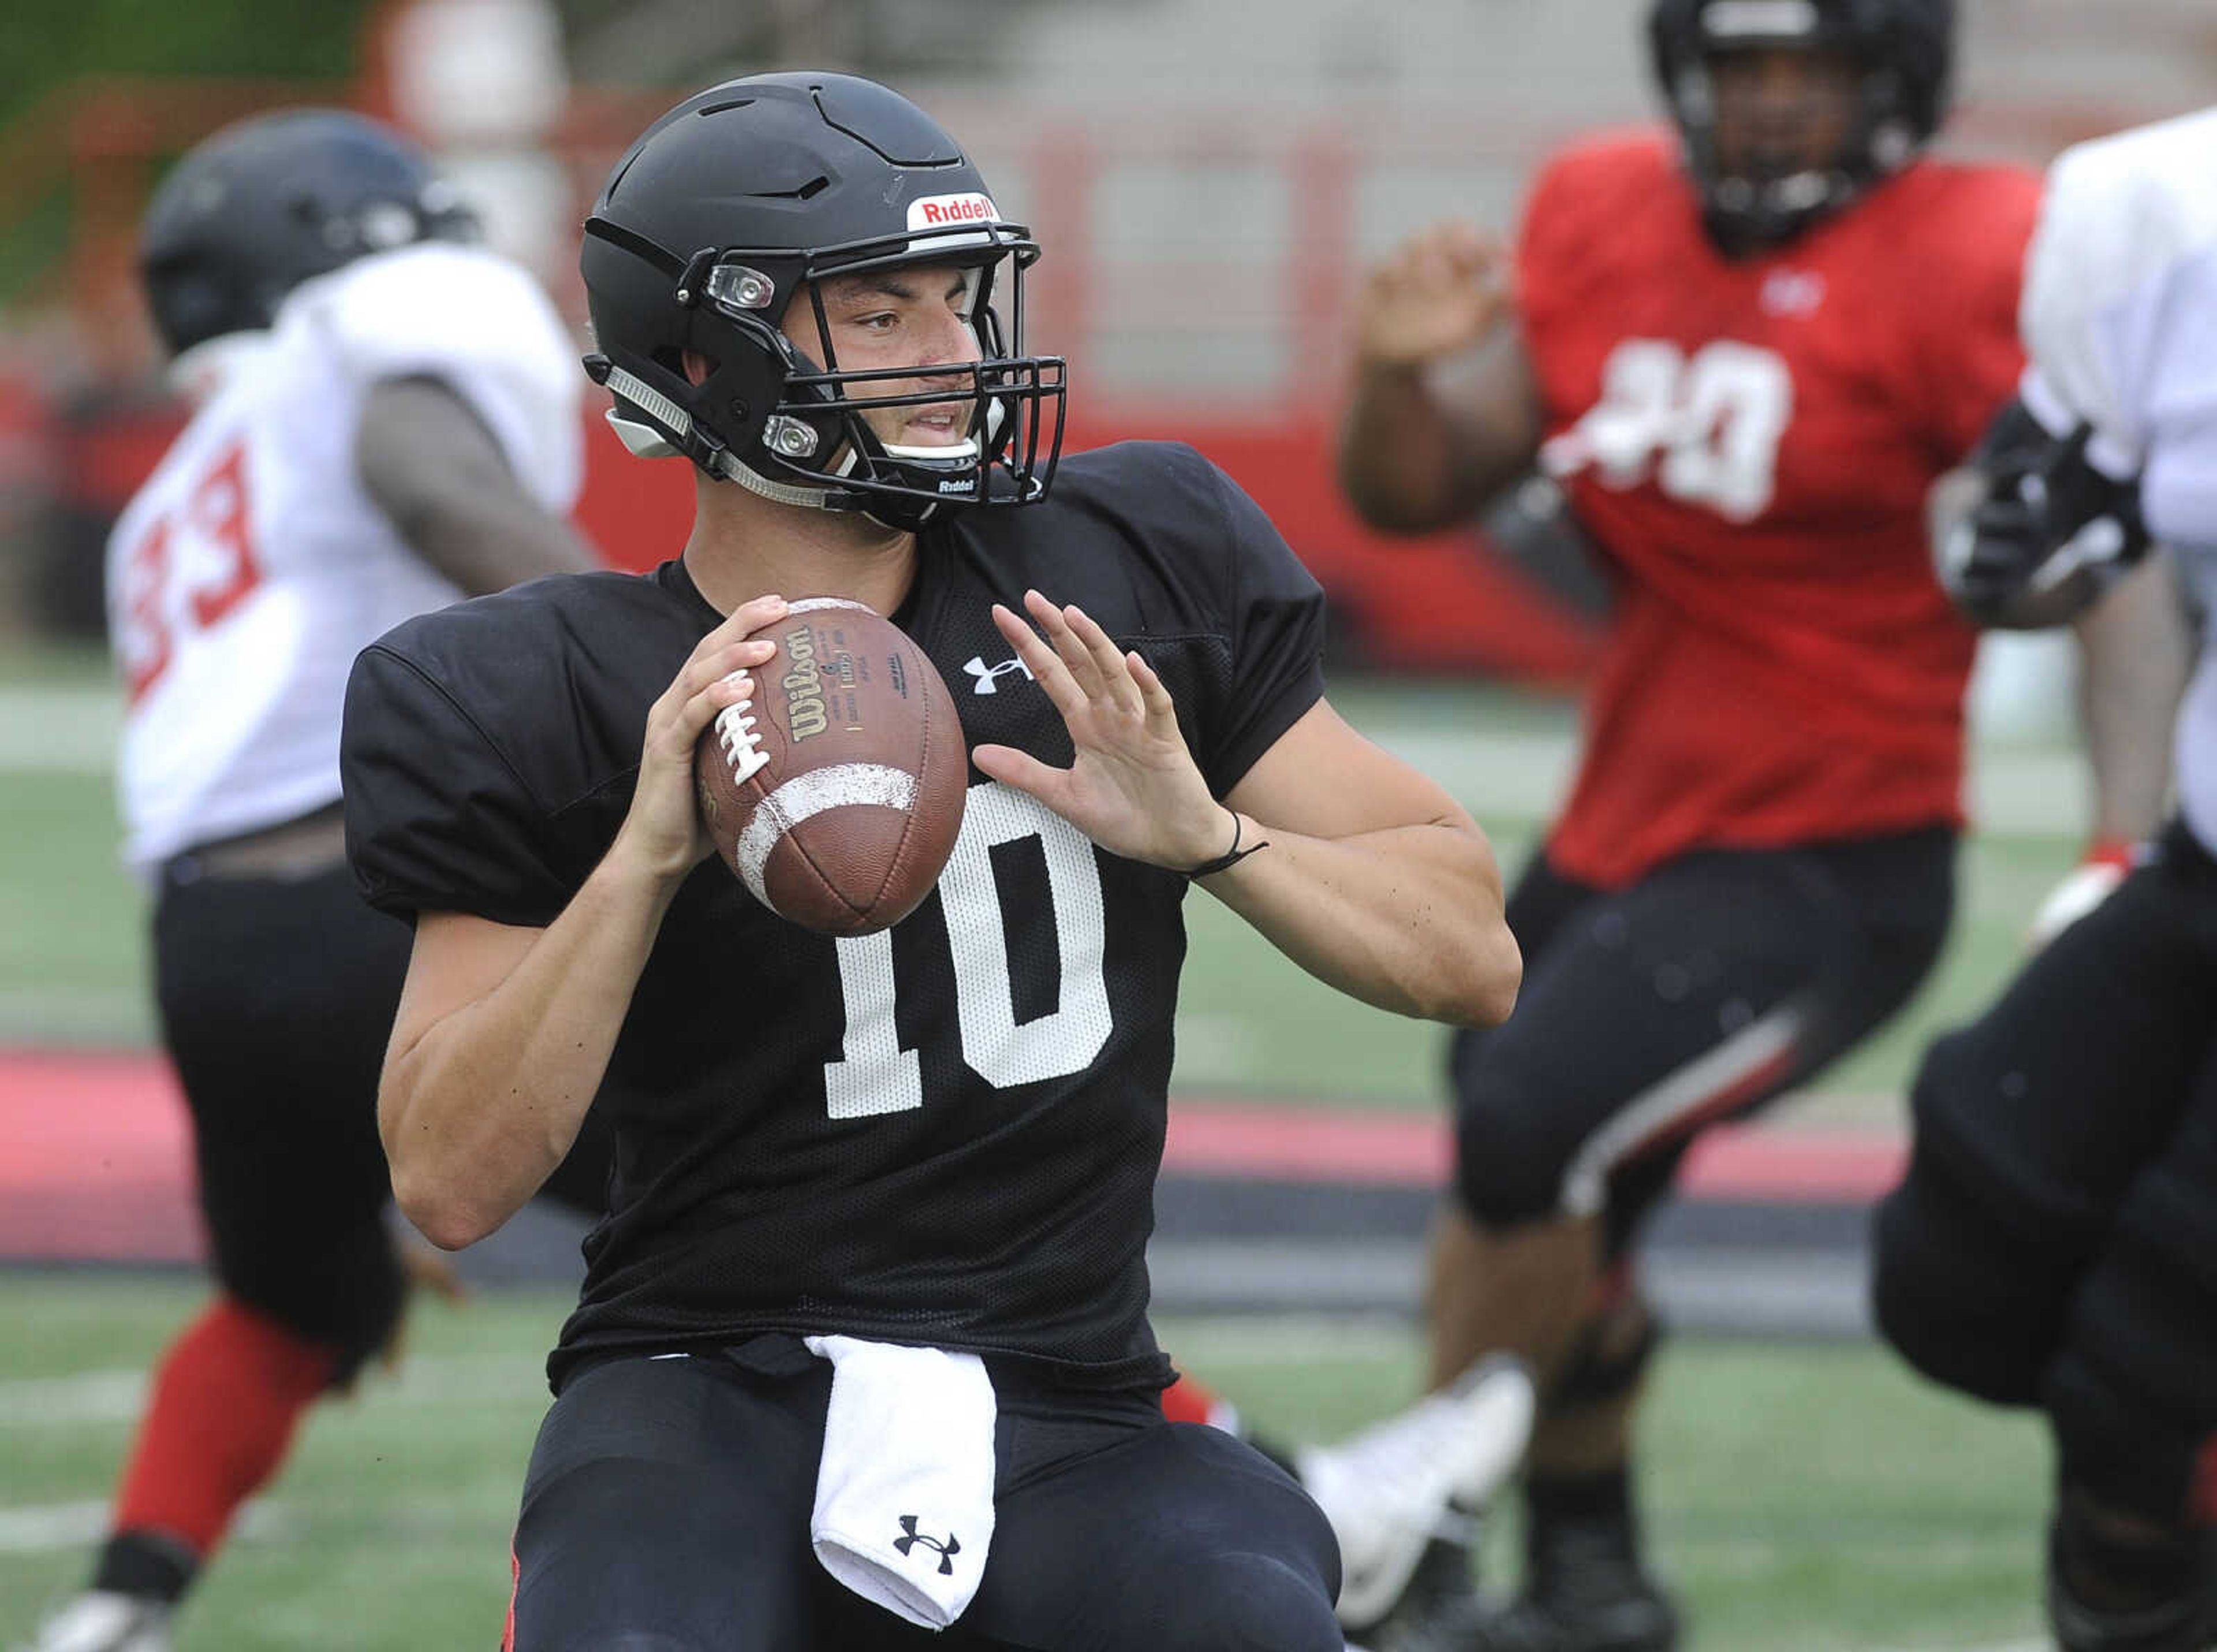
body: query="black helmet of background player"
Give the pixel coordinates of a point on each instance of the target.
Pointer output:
(254, 211)
(1900, 52)
(749, 195)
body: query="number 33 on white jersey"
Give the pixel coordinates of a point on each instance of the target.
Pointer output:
(252, 567)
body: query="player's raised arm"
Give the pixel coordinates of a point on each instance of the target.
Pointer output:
(1444, 412)
(439, 475)
(2046, 525)
(504, 1031)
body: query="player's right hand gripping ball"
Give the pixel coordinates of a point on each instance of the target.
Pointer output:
(836, 792)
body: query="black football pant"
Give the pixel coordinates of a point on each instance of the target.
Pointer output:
(2055, 1241)
(1704, 990)
(276, 999)
(277, 996)
(667, 1510)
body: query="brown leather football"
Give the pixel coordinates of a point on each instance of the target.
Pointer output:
(836, 792)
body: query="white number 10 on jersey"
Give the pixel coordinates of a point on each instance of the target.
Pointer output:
(1707, 428)
(876, 1075)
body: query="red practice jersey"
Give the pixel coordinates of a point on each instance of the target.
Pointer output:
(1751, 443)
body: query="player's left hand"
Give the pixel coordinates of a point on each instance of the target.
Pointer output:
(1133, 787)
(2050, 533)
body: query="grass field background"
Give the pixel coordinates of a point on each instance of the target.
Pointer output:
(1804, 1497)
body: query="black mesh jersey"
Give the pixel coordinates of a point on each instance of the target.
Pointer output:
(946, 1133)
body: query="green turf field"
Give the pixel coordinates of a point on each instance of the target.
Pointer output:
(1807, 1499)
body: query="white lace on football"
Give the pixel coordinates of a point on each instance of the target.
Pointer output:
(742, 743)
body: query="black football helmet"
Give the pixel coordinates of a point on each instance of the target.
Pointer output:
(1905, 49)
(251, 212)
(733, 203)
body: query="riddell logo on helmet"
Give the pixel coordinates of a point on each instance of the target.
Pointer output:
(938, 212)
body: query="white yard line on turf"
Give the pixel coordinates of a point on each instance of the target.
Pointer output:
(113, 1396)
(39, 1528)
(44, 1528)
(60, 730)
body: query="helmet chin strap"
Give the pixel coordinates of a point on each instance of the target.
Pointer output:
(646, 441)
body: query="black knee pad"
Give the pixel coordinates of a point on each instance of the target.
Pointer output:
(1948, 1294)
(1970, 1277)
(1510, 1166)
(345, 1294)
(1596, 1373)
(2134, 1393)
(1244, 1603)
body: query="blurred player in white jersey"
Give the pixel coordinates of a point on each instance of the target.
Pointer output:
(387, 421)
(2054, 1244)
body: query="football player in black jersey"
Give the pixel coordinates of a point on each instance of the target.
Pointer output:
(946, 1134)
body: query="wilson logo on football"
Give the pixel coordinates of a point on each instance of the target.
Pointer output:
(804, 687)
(937, 212)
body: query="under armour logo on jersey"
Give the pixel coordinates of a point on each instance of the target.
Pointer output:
(983, 674)
(945, 1551)
(1793, 292)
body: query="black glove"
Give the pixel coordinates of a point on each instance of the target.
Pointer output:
(2047, 514)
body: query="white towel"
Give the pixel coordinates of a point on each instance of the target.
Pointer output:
(905, 1494)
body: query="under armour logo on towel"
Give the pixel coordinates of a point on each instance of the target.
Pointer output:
(945, 1551)
(985, 674)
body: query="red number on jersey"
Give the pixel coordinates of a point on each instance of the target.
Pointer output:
(143, 641)
(219, 571)
(219, 510)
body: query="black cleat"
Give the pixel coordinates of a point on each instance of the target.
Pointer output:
(1587, 1593)
(2183, 1619)
(1438, 1611)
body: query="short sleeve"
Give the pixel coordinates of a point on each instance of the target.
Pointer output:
(483, 327)
(437, 820)
(1594, 218)
(2178, 482)
(1555, 237)
(1277, 618)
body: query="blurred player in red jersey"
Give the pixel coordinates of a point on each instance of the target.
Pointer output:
(1747, 355)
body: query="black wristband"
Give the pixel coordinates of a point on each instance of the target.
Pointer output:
(1230, 856)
